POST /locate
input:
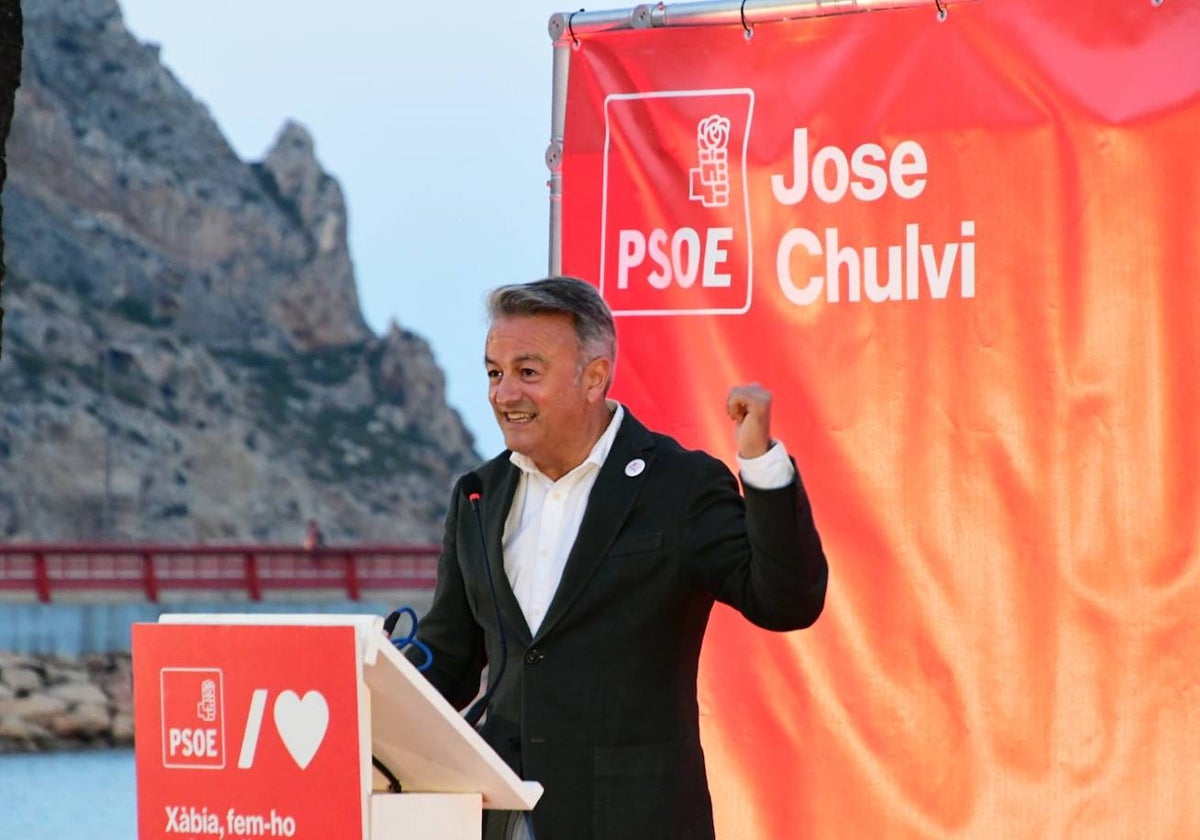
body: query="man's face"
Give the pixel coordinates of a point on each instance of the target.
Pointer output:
(546, 401)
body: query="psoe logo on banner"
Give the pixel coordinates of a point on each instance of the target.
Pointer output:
(193, 718)
(675, 219)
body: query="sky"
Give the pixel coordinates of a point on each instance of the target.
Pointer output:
(434, 120)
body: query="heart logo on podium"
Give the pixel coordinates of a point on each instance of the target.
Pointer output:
(301, 723)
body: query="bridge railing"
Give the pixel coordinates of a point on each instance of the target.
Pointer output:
(151, 570)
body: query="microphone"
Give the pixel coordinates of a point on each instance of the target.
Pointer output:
(471, 487)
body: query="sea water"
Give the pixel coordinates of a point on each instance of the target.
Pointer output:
(67, 795)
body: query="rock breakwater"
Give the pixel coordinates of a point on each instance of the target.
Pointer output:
(59, 703)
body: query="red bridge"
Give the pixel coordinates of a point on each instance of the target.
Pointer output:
(151, 570)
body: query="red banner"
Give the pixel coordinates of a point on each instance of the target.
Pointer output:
(963, 255)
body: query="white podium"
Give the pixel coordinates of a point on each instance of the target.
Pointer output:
(265, 726)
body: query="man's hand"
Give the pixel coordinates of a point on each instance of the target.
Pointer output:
(750, 408)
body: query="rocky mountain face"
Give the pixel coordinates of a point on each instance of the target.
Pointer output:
(184, 355)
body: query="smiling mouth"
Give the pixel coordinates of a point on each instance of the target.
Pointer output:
(517, 416)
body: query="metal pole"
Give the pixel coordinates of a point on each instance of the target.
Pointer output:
(758, 11)
(558, 118)
(564, 26)
(106, 350)
(570, 25)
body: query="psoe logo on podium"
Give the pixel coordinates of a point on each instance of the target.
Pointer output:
(193, 717)
(675, 233)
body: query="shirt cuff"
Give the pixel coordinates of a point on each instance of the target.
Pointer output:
(769, 471)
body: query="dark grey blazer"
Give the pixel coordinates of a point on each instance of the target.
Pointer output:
(600, 706)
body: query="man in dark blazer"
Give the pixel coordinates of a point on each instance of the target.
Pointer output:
(607, 545)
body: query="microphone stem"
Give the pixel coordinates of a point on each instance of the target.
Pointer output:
(476, 711)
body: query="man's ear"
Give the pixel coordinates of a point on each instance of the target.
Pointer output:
(596, 375)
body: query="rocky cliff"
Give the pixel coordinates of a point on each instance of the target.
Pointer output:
(185, 357)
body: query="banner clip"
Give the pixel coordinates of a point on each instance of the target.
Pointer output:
(943, 12)
(571, 30)
(747, 29)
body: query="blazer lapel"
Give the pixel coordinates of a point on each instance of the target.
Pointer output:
(502, 487)
(608, 506)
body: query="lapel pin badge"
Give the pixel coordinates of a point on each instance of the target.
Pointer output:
(635, 467)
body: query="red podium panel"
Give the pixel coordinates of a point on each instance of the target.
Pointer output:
(239, 725)
(252, 726)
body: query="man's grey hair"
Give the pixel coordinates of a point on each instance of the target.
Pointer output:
(593, 321)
